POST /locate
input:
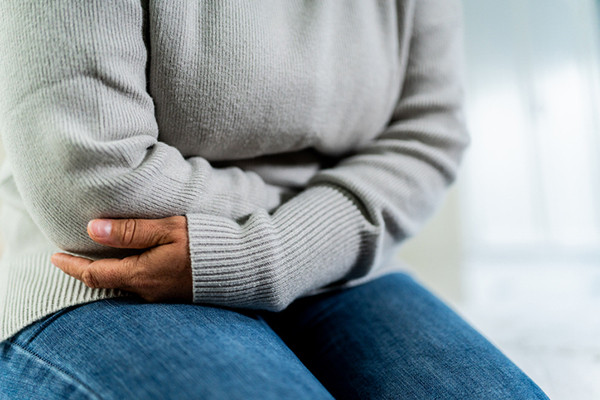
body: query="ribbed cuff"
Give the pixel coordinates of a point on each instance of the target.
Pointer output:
(266, 261)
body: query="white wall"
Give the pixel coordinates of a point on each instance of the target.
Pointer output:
(533, 170)
(436, 253)
(529, 189)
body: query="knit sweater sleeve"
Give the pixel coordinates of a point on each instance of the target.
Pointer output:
(80, 131)
(334, 230)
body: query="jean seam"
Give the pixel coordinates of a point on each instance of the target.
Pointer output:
(44, 325)
(56, 368)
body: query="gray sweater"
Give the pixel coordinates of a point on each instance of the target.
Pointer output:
(302, 140)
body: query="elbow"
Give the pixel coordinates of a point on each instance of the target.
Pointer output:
(69, 183)
(64, 223)
(61, 208)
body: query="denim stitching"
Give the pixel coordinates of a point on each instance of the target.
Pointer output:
(43, 326)
(51, 365)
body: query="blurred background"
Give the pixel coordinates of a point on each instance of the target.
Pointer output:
(515, 245)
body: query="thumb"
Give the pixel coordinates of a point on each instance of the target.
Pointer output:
(128, 233)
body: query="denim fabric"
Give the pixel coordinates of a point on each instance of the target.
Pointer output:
(386, 339)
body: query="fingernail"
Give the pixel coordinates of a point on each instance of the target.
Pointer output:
(100, 227)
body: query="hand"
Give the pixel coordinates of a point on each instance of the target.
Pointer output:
(162, 273)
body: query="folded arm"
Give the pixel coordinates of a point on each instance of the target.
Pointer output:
(80, 131)
(332, 231)
(339, 225)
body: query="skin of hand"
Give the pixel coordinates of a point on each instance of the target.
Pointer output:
(160, 274)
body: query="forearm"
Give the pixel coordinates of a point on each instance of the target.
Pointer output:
(349, 215)
(80, 130)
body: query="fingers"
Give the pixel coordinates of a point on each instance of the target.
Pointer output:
(133, 233)
(109, 273)
(71, 265)
(161, 272)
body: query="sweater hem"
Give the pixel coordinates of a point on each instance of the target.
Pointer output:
(31, 287)
(23, 276)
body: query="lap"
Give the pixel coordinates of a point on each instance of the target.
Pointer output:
(127, 348)
(391, 338)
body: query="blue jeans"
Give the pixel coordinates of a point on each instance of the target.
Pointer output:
(386, 339)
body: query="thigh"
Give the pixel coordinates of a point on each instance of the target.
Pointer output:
(392, 339)
(126, 348)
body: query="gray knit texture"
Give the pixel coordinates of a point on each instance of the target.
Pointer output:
(303, 140)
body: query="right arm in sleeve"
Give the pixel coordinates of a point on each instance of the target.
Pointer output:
(80, 131)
